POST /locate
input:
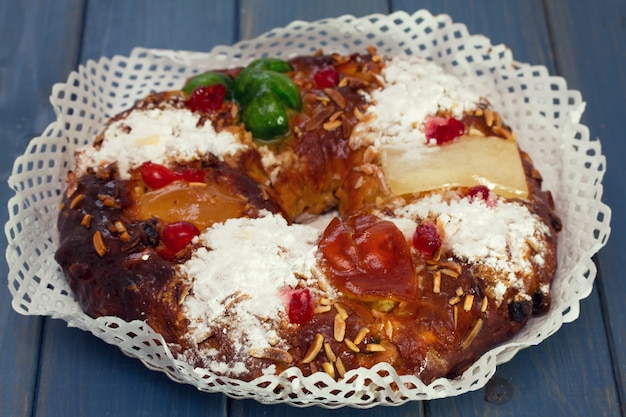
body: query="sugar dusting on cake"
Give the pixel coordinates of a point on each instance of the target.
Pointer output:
(504, 237)
(161, 136)
(239, 277)
(414, 89)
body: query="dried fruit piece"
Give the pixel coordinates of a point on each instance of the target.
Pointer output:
(265, 117)
(326, 77)
(479, 192)
(443, 130)
(176, 236)
(369, 257)
(271, 64)
(207, 99)
(202, 204)
(210, 78)
(300, 309)
(426, 238)
(156, 175)
(494, 161)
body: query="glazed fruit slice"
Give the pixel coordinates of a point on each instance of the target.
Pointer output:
(467, 161)
(198, 203)
(368, 258)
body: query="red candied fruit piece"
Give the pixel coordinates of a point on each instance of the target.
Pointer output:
(443, 130)
(192, 175)
(478, 192)
(207, 98)
(300, 309)
(326, 77)
(176, 236)
(157, 176)
(426, 238)
(369, 258)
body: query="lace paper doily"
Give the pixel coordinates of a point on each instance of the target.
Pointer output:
(539, 107)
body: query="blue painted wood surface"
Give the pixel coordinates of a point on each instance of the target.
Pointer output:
(51, 370)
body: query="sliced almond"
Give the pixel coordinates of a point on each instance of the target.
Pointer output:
(314, 349)
(339, 328)
(350, 344)
(273, 354)
(341, 369)
(328, 350)
(329, 369)
(363, 331)
(473, 333)
(98, 243)
(374, 347)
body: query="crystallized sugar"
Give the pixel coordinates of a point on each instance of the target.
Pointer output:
(159, 136)
(247, 263)
(414, 89)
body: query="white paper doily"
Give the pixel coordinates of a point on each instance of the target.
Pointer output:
(539, 107)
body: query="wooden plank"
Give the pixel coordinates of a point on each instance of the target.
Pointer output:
(116, 27)
(250, 408)
(570, 373)
(590, 54)
(81, 375)
(258, 17)
(33, 56)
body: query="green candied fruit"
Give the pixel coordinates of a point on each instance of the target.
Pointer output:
(266, 117)
(271, 64)
(252, 80)
(211, 78)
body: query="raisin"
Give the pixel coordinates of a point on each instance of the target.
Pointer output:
(556, 222)
(150, 235)
(519, 311)
(541, 302)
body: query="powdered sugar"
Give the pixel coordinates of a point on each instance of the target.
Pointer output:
(494, 236)
(414, 89)
(160, 136)
(247, 264)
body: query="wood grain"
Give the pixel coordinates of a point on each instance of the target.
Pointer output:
(592, 57)
(258, 17)
(32, 58)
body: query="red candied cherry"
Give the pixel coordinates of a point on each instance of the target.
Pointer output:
(300, 309)
(207, 98)
(426, 238)
(326, 77)
(156, 175)
(443, 130)
(478, 192)
(176, 236)
(192, 175)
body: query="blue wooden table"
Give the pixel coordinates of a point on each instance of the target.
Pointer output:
(50, 370)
